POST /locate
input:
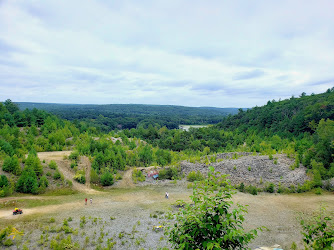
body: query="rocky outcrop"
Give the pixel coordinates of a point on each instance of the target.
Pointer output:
(253, 169)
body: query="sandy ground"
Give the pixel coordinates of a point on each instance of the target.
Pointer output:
(276, 212)
(131, 206)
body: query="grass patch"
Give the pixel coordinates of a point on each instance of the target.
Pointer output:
(59, 192)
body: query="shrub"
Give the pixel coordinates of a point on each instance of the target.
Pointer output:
(43, 181)
(137, 175)
(53, 165)
(3, 181)
(74, 156)
(107, 179)
(242, 187)
(195, 176)
(252, 190)
(73, 164)
(318, 191)
(171, 173)
(270, 188)
(210, 222)
(56, 175)
(80, 177)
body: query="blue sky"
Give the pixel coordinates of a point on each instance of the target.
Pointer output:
(192, 53)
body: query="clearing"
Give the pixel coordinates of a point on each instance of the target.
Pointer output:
(124, 215)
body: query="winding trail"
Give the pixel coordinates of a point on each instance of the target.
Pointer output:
(65, 169)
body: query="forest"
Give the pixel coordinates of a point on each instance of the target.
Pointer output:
(127, 116)
(302, 128)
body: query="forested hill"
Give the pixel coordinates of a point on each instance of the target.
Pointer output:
(290, 117)
(138, 109)
(127, 116)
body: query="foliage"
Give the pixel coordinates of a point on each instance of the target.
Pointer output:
(318, 231)
(128, 116)
(137, 175)
(210, 222)
(195, 176)
(252, 189)
(171, 173)
(11, 164)
(53, 164)
(57, 175)
(270, 188)
(27, 183)
(80, 177)
(107, 179)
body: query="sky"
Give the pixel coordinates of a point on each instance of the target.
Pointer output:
(192, 53)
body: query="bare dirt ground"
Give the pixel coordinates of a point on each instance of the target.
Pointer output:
(277, 213)
(126, 181)
(132, 206)
(64, 168)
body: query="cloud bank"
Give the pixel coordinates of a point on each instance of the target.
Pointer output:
(191, 53)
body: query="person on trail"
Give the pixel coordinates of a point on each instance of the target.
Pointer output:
(85, 201)
(166, 195)
(91, 201)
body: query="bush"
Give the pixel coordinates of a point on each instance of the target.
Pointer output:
(74, 156)
(252, 190)
(210, 222)
(73, 164)
(137, 175)
(57, 175)
(195, 176)
(12, 165)
(53, 165)
(270, 188)
(3, 181)
(171, 173)
(107, 179)
(80, 177)
(27, 183)
(242, 187)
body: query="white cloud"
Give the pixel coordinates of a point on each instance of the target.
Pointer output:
(193, 53)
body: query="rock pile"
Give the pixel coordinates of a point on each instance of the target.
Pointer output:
(253, 169)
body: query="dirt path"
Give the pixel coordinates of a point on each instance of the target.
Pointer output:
(7, 214)
(126, 181)
(64, 168)
(86, 164)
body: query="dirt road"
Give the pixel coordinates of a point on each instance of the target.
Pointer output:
(65, 169)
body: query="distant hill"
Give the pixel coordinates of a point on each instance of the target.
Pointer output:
(112, 116)
(292, 116)
(129, 109)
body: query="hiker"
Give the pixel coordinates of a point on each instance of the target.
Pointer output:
(85, 201)
(166, 195)
(91, 201)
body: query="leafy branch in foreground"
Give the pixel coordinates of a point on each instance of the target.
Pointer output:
(318, 231)
(210, 222)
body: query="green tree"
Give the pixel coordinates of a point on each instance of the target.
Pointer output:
(27, 183)
(107, 179)
(12, 165)
(10, 106)
(210, 222)
(146, 155)
(33, 162)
